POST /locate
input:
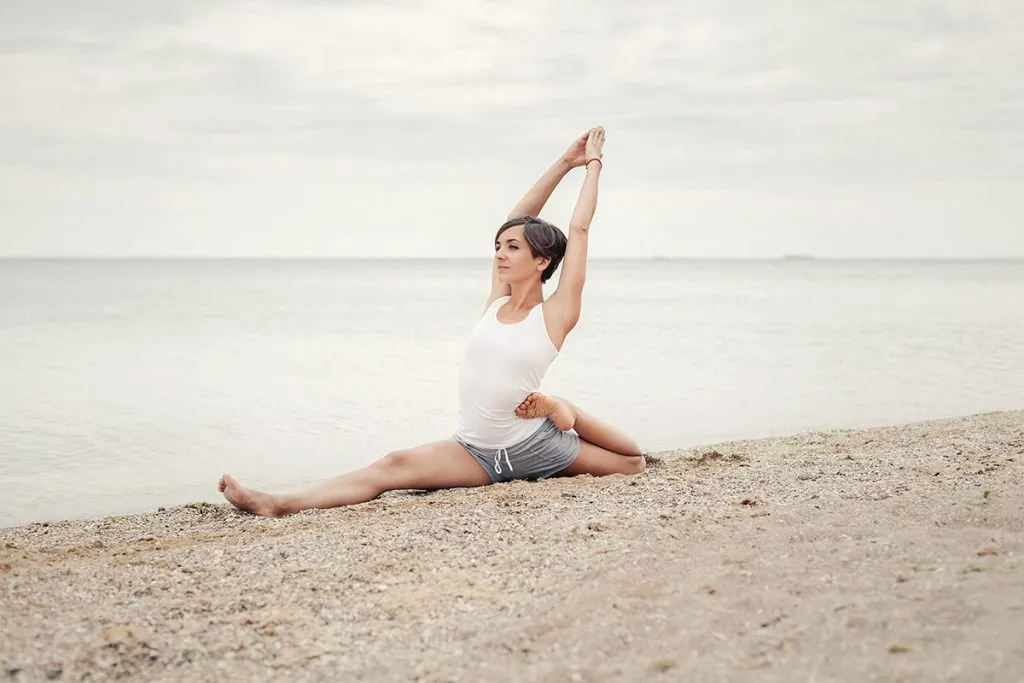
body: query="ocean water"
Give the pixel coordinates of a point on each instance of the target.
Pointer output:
(128, 385)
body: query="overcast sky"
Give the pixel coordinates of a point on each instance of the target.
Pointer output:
(739, 129)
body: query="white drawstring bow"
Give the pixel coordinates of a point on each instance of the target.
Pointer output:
(497, 460)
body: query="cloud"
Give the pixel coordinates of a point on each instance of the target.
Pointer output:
(842, 100)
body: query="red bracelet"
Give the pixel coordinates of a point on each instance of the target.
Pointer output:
(597, 159)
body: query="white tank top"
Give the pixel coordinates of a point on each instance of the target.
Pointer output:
(502, 365)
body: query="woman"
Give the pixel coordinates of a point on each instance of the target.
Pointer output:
(508, 429)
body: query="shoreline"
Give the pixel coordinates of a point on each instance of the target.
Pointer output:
(847, 554)
(216, 499)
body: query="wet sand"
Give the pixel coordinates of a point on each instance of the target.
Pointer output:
(888, 554)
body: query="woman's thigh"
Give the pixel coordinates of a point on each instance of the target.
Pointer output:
(436, 465)
(600, 462)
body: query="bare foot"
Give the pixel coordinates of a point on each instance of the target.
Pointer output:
(248, 500)
(555, 409)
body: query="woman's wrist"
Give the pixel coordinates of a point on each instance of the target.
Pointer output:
(565, 164)
(600, 163)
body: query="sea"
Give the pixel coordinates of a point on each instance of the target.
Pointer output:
(129, 385)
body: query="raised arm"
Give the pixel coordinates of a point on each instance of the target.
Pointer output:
(537, 196)
(564, 305)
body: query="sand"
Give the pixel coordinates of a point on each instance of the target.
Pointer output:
(888, 554)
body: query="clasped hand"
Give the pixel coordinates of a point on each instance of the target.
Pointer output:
(586, 147)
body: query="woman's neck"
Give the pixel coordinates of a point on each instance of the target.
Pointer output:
(526, 295)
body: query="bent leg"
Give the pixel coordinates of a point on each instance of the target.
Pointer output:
(437, 465)
(603, 435)
(567, 416)
(600, 462)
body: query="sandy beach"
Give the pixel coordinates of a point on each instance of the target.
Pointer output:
(889, 554)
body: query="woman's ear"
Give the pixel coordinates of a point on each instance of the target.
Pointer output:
(541, 263)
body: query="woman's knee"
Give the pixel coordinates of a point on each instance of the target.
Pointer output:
(634, 464)
(396, 462)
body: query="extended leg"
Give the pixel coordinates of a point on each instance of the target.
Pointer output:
(437, 465)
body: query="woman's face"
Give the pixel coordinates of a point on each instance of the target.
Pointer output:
(516, 261)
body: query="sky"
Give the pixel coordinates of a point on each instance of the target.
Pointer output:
(747, 129)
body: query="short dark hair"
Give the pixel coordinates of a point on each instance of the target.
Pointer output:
(545, 240)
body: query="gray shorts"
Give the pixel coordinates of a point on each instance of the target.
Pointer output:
(544, 453)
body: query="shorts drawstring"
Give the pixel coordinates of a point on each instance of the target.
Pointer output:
(497, 460)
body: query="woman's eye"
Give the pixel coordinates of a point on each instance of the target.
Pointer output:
(513, 247)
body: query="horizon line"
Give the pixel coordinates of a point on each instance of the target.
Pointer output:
(800, 258)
